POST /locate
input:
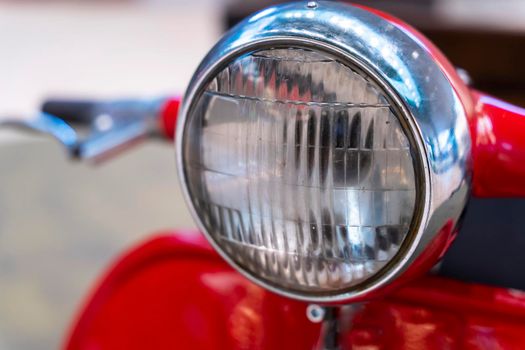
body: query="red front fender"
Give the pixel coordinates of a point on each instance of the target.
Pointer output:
(175, 292)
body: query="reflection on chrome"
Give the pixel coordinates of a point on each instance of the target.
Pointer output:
(300, 169)
(373, 71)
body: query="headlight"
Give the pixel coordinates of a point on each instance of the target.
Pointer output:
(300, 169)
(304, 164)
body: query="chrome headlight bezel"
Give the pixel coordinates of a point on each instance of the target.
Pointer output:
(410, 76)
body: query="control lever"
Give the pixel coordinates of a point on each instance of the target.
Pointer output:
(97, 130)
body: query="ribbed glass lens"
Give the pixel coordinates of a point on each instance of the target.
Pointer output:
(299, 170)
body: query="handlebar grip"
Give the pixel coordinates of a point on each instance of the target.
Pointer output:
(71, 111)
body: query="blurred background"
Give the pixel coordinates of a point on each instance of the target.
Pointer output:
(61, 224)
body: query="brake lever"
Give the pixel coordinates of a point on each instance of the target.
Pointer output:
(47, 124)
(111, 126)
(115, 126)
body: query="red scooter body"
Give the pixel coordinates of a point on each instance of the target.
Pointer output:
(174, 291)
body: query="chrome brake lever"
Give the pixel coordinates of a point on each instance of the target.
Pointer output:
(47, 124)
(111, 128)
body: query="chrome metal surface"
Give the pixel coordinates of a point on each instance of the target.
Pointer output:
(415, 82)
(315, 313)
(117, 125)
(45, 124)
(465, 76)
(312, 4)
(113, 127)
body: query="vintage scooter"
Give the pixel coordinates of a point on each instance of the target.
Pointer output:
(327, 153)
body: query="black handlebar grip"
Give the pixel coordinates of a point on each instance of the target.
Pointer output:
(71, 111)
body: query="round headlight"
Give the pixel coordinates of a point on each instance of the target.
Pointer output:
(303, 163)
(300, 169)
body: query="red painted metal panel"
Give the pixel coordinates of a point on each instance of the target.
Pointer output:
(175, 292)
(498, 138)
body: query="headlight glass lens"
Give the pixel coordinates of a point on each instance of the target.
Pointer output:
(299, 169)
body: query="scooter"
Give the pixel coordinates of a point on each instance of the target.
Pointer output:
(327, 153)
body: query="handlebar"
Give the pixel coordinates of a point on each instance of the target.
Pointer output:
(71, 111)
(95, 130)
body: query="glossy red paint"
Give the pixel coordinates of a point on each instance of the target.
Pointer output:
(168, 116)
(438, 313)
(498, 139)
(176, 292)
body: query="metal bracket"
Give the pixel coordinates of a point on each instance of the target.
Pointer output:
(336, 320)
